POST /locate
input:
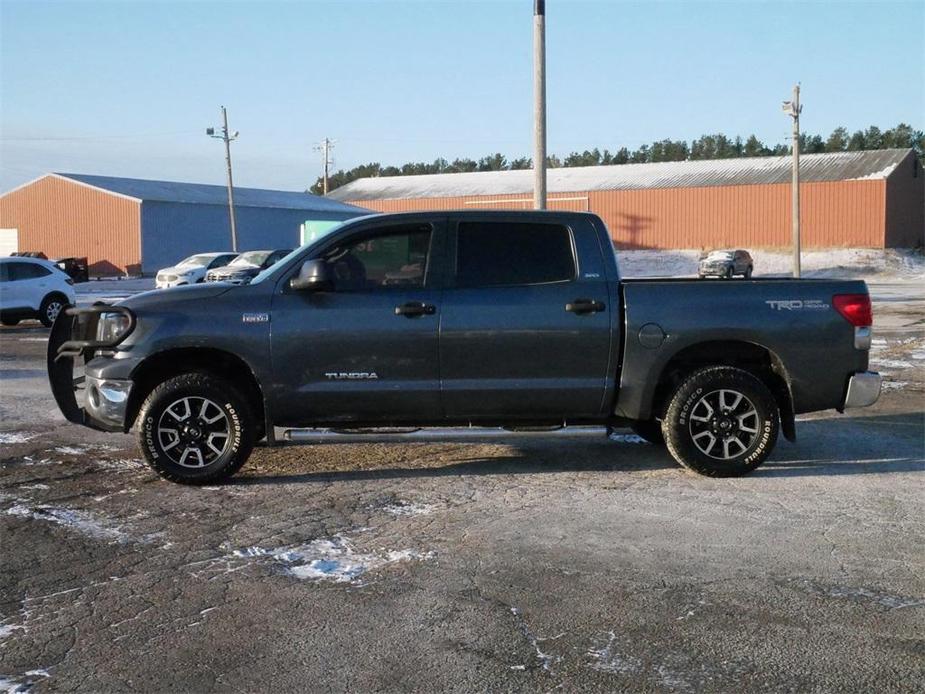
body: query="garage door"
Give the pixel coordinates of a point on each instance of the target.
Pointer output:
(9, 241)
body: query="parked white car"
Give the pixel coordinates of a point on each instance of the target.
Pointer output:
(33, 288)
(192, 270)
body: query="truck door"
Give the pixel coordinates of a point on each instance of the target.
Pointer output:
(365, 351)
(525, 328)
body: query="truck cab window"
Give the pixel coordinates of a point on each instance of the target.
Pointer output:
(493, 254)
(382, 261)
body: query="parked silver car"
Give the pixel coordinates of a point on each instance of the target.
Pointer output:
(726, 264)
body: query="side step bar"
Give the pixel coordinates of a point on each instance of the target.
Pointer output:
(443, 435)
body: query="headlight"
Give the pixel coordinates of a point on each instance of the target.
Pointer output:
(112, 327)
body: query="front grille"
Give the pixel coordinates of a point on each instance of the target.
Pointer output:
(166, 278)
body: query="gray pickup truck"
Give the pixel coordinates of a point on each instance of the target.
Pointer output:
(475, 318)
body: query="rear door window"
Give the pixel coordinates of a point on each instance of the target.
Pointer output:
(26, 271)
(497, 254)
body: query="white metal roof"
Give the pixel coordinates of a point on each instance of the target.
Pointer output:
(838, 166)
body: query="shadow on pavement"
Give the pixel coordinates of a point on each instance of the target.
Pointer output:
(825, 447)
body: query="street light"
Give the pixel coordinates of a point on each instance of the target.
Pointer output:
(227, 138)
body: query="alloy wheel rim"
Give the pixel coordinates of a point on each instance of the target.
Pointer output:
(193, 431)
(724, 424)
(54, 308)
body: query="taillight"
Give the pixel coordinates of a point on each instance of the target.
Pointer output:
(855, 308)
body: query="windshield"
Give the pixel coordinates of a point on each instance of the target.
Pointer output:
(251, 258)
(289, 256)
(720, 255)
(196, 260)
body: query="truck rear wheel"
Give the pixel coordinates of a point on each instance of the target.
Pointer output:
(721, 422)
(196, 429)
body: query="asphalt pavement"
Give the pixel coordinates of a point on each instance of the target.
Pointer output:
(485, 562)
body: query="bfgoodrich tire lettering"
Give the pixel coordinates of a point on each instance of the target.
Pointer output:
(195, 429)
(721, 422)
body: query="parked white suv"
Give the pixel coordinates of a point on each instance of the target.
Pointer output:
(33, 288)
(191, 270)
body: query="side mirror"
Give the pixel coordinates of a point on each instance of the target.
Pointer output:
(314, 276)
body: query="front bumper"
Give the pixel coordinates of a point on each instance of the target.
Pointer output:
(106, 401)
(73, 337)
(863, 389)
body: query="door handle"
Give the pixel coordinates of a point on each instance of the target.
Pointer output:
(413, 309)
(581, 306)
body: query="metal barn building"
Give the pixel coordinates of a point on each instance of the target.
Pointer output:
(134, 225)
(870, 199)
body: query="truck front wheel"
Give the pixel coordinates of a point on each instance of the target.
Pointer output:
(721, 422)
(196, 429)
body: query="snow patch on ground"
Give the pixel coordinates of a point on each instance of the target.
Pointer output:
(606, 658)
(120, 464)
(10, 437)
(20, 684)
(894, 385)
(627, 438)
(72, 450)
(82, 522)
(546, 659)
(7, 630)
(408, 508)
(330, 559)
(891, 363)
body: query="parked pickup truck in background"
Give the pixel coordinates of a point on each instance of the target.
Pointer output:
(448, 319)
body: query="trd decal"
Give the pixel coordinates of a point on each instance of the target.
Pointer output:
(797, 305)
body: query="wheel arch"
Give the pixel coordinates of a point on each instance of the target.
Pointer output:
(750, 356)
(172, 362)
(54, 293)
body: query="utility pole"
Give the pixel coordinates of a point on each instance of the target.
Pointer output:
(539, 104)
(792, 109)
(228, 139)
(325, 148)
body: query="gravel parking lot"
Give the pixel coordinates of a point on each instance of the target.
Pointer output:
(486, 562)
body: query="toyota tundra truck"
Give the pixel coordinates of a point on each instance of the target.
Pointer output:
(462, 319)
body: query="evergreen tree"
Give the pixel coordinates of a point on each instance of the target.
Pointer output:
(711, 146)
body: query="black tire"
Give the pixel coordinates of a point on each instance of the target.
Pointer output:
(650, 430)
(9, 321)
(748, 272)
(219, 455)
(729, 273)
(51, 306)
(706, 446)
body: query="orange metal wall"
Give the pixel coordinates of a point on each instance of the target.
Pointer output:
(62, 218)
(839, 213)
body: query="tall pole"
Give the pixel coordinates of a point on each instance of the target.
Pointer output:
(227, 139)
(539, 104)
(794, 112)
(325, 147)
(325, 155)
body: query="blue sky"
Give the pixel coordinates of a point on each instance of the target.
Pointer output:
(127, 88)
